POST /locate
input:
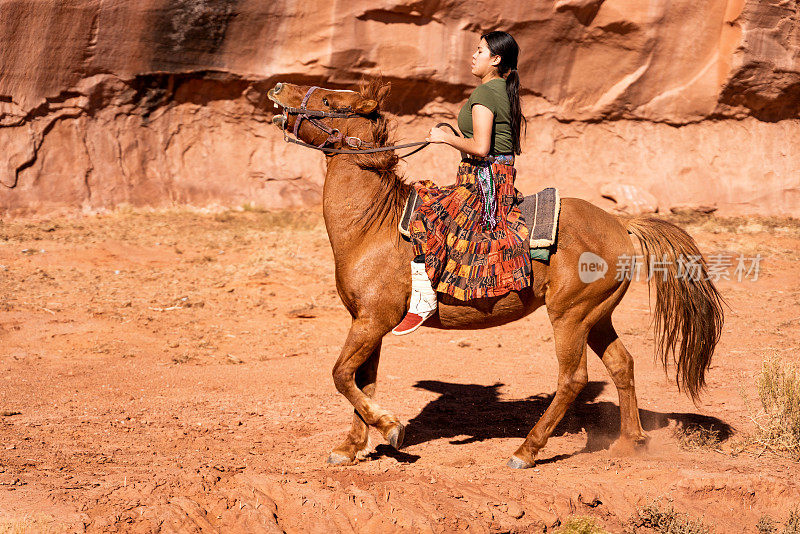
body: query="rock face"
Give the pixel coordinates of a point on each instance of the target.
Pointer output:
(160, 102)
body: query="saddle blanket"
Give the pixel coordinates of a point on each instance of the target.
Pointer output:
(540, 211)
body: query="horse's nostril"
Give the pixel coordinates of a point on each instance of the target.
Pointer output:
(277, 89)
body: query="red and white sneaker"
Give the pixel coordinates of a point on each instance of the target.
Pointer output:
(410, 322)
(423, 301)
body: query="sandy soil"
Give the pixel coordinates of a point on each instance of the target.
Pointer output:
(171, 372)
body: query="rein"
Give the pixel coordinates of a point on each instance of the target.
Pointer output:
(334, 135)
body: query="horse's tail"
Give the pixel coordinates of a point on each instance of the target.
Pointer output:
(688, 310)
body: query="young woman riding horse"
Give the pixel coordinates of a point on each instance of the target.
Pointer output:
(470, 240)
(363, 200)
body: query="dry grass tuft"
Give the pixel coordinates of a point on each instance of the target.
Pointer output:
(741, 224)
(694, 437)
(792, 525)
(581, 525)
(766, 525)
(40, 524)
(777, 420)
(165, 225)
(667, 521)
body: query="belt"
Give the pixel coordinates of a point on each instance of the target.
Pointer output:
(505, 159)
(487, 184)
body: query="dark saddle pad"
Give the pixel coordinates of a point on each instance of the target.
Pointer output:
(540, 211)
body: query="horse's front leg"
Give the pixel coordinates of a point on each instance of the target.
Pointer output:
(356, 368)
(357, 440)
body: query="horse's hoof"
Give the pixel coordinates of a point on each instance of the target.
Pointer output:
(339, 459)
(365, 450)
(517, 463)
(396, 435)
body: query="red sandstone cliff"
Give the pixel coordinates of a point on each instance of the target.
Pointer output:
(155, 102)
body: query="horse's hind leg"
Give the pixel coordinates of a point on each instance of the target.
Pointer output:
(604, 341)
(570, 333)
(357, 440)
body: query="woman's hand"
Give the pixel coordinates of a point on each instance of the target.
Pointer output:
(437, 135)
(478, 145)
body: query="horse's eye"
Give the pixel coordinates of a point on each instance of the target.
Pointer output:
(325, 101)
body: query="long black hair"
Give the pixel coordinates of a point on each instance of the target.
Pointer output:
(503, 45)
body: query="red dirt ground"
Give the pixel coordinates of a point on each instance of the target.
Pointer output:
(170, 371)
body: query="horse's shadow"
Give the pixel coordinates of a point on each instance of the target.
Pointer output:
(475, 413)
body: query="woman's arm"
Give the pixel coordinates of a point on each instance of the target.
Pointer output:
(480, 143)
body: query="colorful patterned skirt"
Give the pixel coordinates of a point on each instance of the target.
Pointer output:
(472, 233)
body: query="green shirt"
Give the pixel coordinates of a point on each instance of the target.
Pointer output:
(491, 94)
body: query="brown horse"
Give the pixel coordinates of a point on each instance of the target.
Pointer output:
(362, 201)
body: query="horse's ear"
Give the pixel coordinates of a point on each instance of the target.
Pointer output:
(384, 91)
(365, 107)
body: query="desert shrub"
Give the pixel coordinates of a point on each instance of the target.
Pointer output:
(665, 520)
(792, 525)
(777, 420)
(766, 525)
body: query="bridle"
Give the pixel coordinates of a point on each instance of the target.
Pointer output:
(357, 146)
(310, 115)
